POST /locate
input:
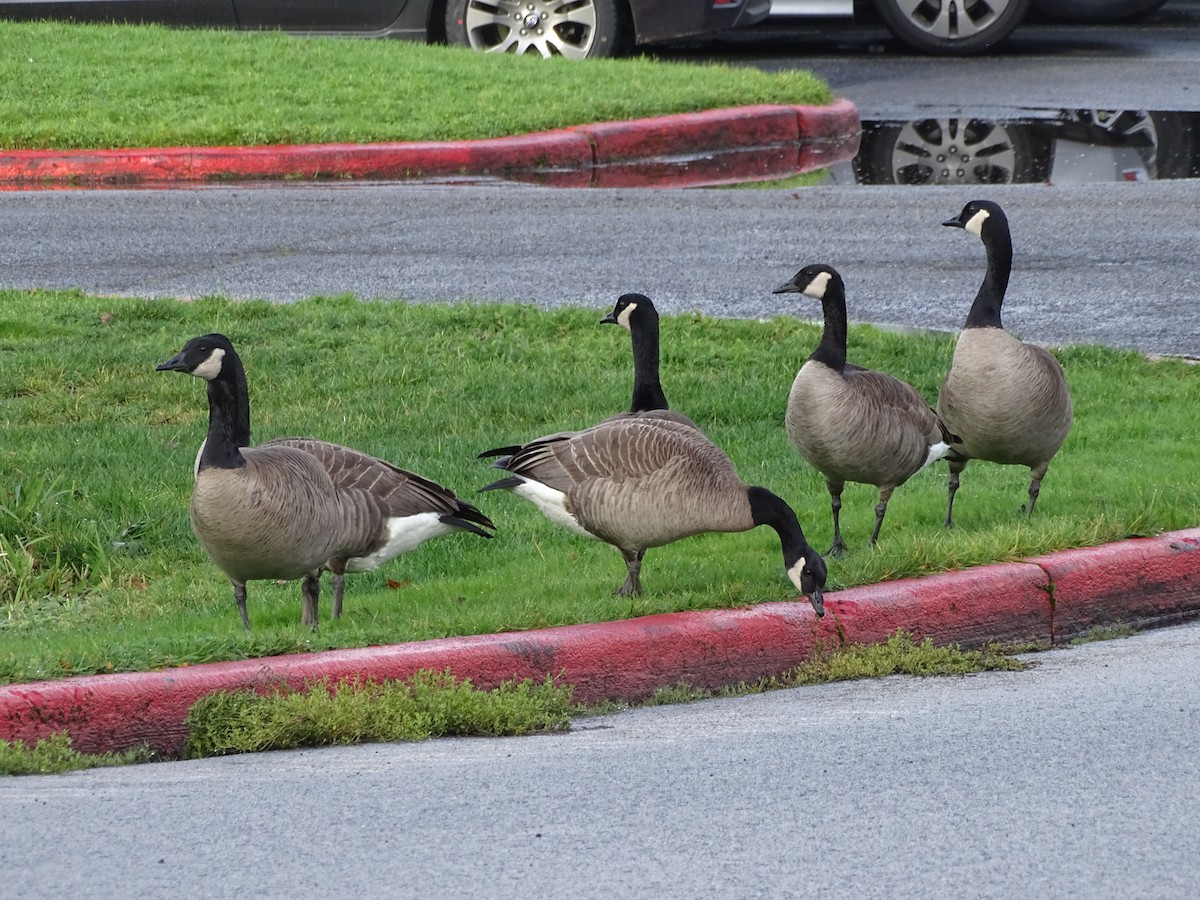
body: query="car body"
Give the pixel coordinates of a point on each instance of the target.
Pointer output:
(570, 28)
(962, 26)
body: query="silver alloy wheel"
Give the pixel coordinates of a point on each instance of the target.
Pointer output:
(546, 27)
(953, 19)
(953, 151)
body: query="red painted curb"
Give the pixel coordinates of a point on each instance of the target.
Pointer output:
(569, 151)
(1138, 582)
(1007, 602)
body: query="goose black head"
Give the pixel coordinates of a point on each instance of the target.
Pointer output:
(203, 357)
(809, 574)
(979, 215)
(628, 306)
(812, 281)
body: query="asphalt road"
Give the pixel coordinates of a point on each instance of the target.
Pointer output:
(1112, 263)
(1076, 778)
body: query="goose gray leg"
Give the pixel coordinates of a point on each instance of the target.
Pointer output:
(956, 466)
(633, 580)
(239, 597)
(1035, 487)
(885, 494)
(835, 503)
(337, 578)
(310, 589)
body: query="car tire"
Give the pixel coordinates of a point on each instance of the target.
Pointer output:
(952, 27)
(1094, 12)
(949, 150)
(589, 29)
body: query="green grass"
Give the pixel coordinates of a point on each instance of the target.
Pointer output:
(95, 86)
(101, 573)
(55, 755)
(425, 706)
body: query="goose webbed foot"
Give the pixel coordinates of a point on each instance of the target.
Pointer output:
(838, 549)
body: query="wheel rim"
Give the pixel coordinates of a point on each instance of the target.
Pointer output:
(545, 27)
(953, 20)
(953, 151)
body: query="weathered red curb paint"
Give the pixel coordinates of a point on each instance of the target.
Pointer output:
(400, 160)
(1141, 581)
(1008, 602)
(690, 133)
(574, 150)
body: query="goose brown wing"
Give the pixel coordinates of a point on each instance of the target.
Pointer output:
(393, 491)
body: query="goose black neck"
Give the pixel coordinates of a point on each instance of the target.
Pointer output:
(647, 388)
(228, 417)
(832, 349)
(770, 509)
(985, 311)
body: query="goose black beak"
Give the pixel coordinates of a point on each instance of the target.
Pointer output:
(610, 319)
(817, 599)
(953, 223)
(788, 287)
(174, 364)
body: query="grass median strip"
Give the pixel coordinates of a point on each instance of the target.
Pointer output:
(99, 571)
(69, 86)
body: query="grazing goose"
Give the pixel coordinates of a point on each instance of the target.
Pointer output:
(641, 483)
(1004, 400)
(274, 511)
(851, 423)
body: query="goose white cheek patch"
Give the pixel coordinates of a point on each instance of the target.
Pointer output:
(975, 223)
(817, 287)
(623, 316)
(211, 367)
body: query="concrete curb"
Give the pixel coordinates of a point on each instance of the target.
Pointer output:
(1138, 582)
(752, 140)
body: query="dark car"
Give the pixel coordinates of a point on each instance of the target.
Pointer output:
(572, 28)
(963, 26)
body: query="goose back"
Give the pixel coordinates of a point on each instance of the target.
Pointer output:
(386, 510)
(636, 483)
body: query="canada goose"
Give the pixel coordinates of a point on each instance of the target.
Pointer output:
(851, 423)
(1005, 401)
(640, 483)
(274, 511)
